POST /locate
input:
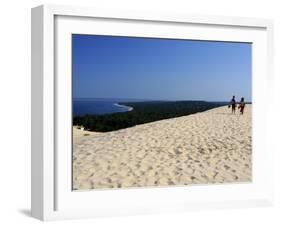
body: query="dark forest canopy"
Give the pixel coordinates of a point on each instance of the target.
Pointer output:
(143, 112)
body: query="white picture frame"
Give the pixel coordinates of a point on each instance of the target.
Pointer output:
(52, 197)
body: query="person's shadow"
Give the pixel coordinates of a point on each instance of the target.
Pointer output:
(224, 114)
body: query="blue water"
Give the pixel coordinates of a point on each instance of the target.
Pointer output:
(94, 106)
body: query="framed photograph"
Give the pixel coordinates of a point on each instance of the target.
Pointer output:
(141, 112)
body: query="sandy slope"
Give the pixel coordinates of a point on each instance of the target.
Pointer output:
(209, 147)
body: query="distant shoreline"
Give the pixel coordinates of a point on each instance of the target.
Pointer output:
(124, 106)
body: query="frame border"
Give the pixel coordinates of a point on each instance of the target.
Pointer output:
(43, 123)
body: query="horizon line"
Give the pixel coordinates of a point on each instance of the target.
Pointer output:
(144, 99)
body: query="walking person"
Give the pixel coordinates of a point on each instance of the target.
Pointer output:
(241, 106)
(233, 105)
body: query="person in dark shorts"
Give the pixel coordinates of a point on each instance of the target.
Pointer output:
(233, 105)
(241, 106)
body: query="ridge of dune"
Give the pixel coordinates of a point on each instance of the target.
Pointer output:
(208, 147)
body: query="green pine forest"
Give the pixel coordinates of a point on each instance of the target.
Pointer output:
(143, 112)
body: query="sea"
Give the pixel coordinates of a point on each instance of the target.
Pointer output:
(99, 106)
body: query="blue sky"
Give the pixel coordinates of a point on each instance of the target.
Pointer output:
(160, 69)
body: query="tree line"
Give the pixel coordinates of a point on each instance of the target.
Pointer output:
(143, 112)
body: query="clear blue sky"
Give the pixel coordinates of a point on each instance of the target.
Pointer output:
(148, 68)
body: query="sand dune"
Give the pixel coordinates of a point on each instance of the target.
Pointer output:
(208, 147)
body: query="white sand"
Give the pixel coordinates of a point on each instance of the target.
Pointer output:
(124, 106)
(208, 147)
